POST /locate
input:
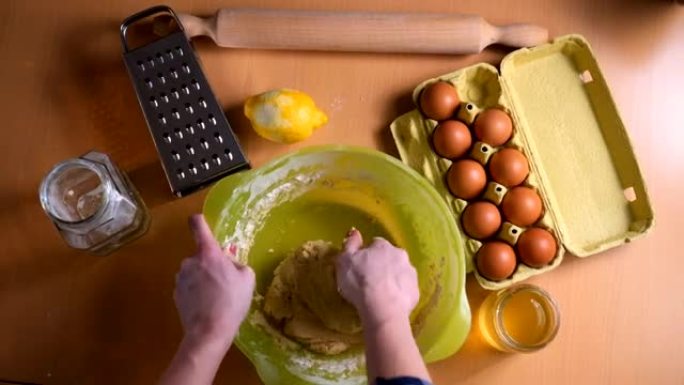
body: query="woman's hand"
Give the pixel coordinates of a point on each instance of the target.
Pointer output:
(378, 280)
(383, 286)
(213, 291)
(213, 294)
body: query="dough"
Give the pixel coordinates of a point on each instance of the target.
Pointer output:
(303, 301)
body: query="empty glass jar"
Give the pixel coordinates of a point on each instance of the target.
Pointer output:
(93, 204)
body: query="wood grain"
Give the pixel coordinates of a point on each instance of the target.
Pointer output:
(393, 32)
(70, 318)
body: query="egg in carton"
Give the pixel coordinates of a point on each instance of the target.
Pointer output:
(565, 123)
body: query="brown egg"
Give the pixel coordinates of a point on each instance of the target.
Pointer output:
(536, 247)
(495, 260)
(509, 167)
(481, 220)
(466, 179)
(451, 139)
(493, 126)
(439, 100)
(521, 206)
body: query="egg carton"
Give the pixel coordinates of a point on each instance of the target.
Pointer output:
(565, 122)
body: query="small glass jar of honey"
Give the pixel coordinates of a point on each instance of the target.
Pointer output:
(522, 318)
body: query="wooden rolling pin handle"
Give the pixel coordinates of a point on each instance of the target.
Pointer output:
(520, 35)
(198, 26)
(358, 31)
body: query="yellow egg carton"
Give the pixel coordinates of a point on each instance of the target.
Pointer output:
(566, 123)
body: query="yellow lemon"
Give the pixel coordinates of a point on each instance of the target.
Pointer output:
(284, 115)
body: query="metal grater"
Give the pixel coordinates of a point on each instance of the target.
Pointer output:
(193, 137)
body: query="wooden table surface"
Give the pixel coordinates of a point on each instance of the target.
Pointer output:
(70, 318)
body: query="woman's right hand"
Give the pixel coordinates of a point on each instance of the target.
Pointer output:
(378, 280)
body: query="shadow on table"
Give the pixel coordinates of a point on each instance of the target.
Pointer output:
(475, 355)
(401, 104)
(122, 310)
(44, 259)
(637, 24)
(151, 183)
(97, 98)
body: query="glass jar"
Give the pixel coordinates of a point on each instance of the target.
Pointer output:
(93, 204)
(522, 318)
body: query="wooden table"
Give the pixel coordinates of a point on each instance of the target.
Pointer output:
(70, 318)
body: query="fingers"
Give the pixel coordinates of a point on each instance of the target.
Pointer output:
(230, 250)
(185, 268)
(249, 272)
(186, 263)
(204, 239)
(411, 288)
(346, 282)
(379, 242)
(353, 241)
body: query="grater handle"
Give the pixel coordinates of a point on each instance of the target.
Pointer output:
(159, 9)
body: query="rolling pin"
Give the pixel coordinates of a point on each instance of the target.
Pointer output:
(358, 31)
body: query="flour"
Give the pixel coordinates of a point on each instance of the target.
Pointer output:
(261, 197)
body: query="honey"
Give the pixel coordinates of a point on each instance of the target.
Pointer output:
(522, 318)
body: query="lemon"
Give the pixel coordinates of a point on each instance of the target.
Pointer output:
(284, 115)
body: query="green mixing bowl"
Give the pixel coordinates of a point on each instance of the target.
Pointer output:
(319, 193)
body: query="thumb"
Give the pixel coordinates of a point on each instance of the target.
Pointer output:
(353, 241)
(204, 239)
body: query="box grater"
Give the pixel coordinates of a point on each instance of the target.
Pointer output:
(194, 140)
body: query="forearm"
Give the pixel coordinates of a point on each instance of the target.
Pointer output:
(195, 362)
(391, 351)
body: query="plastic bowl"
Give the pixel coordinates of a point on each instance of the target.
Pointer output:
(380, 187)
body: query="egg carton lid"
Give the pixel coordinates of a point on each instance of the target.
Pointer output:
(579, 146)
